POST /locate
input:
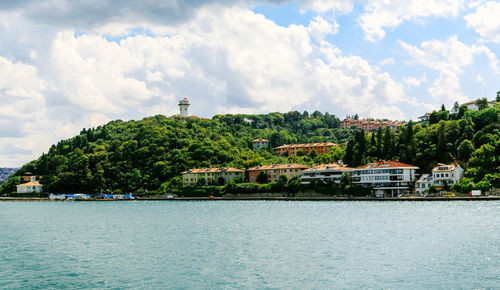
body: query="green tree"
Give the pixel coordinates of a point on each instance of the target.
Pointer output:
(482, 103)
(262, 177)
(465, 150)
(313, 154)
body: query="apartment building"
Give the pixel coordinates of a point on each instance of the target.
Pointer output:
(291, 149)
(370, 125)
(208, 175)
(386, 178)
(324, 173)
(273, 171)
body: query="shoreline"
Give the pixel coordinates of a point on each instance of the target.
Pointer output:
(482, 198)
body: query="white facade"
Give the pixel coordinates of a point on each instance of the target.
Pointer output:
(423, 183)
(389, 178)
(324, 173)
(446, 175)
(183, 107)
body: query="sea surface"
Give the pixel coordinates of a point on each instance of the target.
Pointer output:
(250, 244)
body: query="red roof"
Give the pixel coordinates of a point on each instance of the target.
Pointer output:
(386, 164)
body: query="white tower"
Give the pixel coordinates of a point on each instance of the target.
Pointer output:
(183, 106)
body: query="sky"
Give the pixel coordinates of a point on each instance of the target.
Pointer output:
(67, 65)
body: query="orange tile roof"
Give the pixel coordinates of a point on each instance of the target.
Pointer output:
(327, 144)
(32, 183)
(278, 166)
(330, 166)
(212, 170)
(449, 166)
(386, 164)
(260, 140)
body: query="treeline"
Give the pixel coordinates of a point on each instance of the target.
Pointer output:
(471, 138)
(151, 153)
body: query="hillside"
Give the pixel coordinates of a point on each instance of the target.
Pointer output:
(151, 153)
(135, 155)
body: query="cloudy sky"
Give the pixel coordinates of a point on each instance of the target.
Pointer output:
(65, 65)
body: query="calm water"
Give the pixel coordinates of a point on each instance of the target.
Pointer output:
(246, 244)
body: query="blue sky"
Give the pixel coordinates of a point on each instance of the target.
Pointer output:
(66, 65)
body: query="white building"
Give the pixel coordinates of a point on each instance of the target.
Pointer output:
(29, 187)
(473, 106)
(389, 178)
(446, 175)
(324, 173)
(183, 106)
(260, 143)
(423, 183)
(207, 175)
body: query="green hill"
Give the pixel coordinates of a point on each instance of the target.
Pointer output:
(151, 153)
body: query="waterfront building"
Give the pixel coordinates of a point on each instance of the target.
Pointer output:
(183, 107)
(291, 149)
(259, 144)
(446, 175)
(32, 186)
(211, 175)
(424, 182)
(324, 173)
(370, 125)
(386, 178)
(273, 171)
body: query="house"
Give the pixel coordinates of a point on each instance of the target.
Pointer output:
(211, 175)
(425, 118)
(324, 173)
(423, 183)
(386, 178)
(291, 149)
(473, 106)
(259, 144)
(33, 186)
(273, 171)
(446, 175)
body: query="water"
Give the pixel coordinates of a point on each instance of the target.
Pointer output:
(250, 244)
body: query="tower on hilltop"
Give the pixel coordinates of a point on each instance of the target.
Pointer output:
(183, 106)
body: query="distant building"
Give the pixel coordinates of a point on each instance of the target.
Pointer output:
(424, 182)
(425, 118)
(324, 173)
(370, 125)
(183, 106)
(259, 144)
(208, 175)
(473, 106)
(273, 171)
(33, 186)
(386, 178)
(291, 149)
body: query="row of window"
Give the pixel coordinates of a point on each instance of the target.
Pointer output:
(380, 171)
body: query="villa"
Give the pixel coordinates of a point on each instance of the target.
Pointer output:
(33, 186)
(259, 144)
(442, 176)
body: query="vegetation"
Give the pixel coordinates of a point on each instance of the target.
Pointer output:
(148, 156)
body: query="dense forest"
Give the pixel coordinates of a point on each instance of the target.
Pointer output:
(149, 155)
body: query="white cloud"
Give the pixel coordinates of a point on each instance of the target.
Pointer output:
(319, 28)
(387, 61)
(480, 79)
(486, 21)
(380, 15)
(414, 82)
(446, 89)
(450, 55)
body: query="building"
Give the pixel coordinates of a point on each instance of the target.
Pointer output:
(425, 118)
(473, 106)
(291, 149)
(259, 144)
(183, 106)
(446, 175)
(386, 178)
(32, 186)
(423, 183)
(273, 171)
(211, 175)
(370, 125)
(324, 173)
